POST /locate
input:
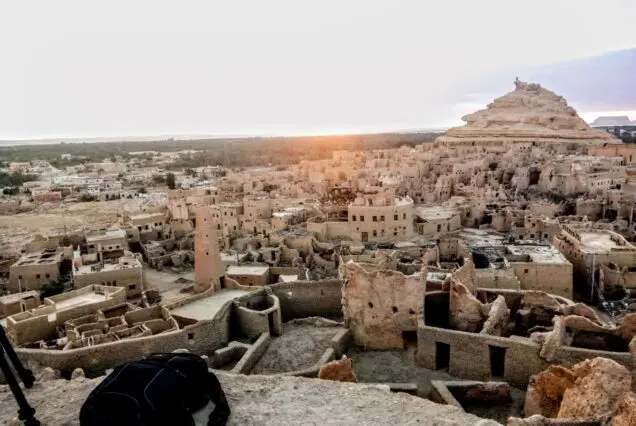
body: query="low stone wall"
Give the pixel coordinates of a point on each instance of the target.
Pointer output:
(441, 394)
(469, 355)
(341, 342)
(301, 299)
(249, 360)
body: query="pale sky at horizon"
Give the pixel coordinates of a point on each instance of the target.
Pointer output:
(140, 68)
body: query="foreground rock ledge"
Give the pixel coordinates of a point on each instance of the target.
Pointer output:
(266, 400)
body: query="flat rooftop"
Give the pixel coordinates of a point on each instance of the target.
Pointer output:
(74, 302)
(108, 234)
(130, 263)
(247, 270)
(480, 237)
(435, 212)
(145, 215)
(596, 242)
(40, 258)
(207, 308)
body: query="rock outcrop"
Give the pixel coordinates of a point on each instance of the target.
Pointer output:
(530, 113)
(593, 390)
(626, 414)
(597, 391)
(628, 327)
(340, 370)
(546, 389)
(599, 387)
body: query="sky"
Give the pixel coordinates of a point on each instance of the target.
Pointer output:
(140, 68)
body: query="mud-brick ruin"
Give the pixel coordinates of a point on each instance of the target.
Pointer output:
(491, 272)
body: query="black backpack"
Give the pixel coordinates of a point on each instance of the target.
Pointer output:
(160, 390)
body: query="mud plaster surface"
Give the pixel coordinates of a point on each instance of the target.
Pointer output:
(300, 346)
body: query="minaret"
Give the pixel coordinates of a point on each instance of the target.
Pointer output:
(208, 268)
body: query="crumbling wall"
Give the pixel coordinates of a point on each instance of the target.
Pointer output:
(379, 305)
(302, 299)
(469, 355)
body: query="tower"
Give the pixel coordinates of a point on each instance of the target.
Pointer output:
(208, 268)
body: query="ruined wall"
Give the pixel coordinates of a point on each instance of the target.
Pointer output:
(204, 337)
(470, 355)
(497, 278)
(379, 305)
(554, 278)
(302, 299)
(466, 274)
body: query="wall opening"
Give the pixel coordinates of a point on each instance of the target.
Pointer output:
(442, 355)
(270, 323)
(497, 361)
(409, 338)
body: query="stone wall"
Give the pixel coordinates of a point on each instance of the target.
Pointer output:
(470, 355)
(302, 299)
(553, 278)
(380, 305)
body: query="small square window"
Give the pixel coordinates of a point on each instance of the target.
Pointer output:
(525, 271)
(19, 277)
(37, 276)
(381, 218)
(375, 218)
(353, 218)
(47, 275)
(131, 287)
(395, 217)
(361, 218)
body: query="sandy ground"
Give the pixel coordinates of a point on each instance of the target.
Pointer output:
(300, 346)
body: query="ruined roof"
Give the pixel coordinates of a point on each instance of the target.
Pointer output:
(537, 253)
(529, 113)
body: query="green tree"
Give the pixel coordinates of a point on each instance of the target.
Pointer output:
(190, 172)
(11, 191)
(171, 181)
(159, 179)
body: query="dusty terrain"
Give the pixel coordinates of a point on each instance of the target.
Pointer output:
(51, 219)
(263, 400)
(300, 346)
